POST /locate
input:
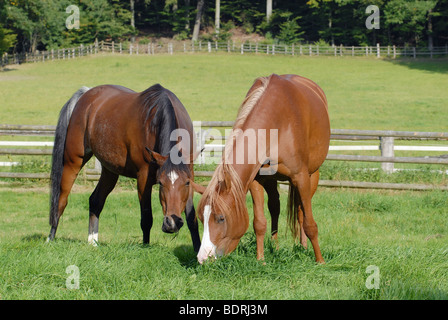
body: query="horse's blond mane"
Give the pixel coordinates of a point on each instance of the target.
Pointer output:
(250, 101)
(238, 195)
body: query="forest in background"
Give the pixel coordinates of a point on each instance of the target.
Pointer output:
(30, 25)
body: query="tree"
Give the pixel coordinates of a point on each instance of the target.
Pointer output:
(197, 21)
(217, 15)
(408, 19)
(7, 40)
(289, 30)
(37, 22)
(268, 10)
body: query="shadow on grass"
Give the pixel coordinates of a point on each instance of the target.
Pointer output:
(186, 256)
(436, 65)
(37, 237)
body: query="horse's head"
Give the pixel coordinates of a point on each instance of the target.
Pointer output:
(174, 189)
(222, 210)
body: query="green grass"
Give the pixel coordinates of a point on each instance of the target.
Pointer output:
(363, 93)
(404, 234)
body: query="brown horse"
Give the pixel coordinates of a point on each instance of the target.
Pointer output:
(291, 113)
(131, 134)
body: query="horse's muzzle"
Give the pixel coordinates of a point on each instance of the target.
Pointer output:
(172, 223)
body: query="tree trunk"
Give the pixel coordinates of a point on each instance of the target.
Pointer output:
(197, 22)
(217, 16)
(268, 10)
(430, 39)
(187, 15)
(132, 20)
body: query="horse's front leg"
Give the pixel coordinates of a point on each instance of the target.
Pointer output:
(192, 223)
(144, 186)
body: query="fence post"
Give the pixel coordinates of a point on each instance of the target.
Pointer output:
(209, 47)
(113, 46)
(121, 48)
(292, 49)
(395, 51)
(367, 51)
(378, 54)
(414, 52)
(387, 150)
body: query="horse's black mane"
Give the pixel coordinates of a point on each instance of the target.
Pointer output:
(163, 122)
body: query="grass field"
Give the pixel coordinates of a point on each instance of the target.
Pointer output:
(363, 93)
(404, 234)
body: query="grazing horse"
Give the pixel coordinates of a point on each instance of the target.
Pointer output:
(292, 114)
(131, 135)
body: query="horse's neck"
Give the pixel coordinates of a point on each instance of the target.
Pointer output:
(247, 173)
(248, 169)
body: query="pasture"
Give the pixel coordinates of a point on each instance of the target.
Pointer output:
(404, 234)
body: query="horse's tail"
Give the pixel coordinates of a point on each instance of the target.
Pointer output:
(58, 153)
(293, 206)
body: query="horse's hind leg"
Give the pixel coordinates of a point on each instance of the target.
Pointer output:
(302, 181)
(72, 166)
(314, 182)
(105, 185)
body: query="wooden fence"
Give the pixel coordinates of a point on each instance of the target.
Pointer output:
(152, 48)
(386, 147)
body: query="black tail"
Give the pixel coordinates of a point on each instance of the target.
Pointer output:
(293, 206)
(58, 154)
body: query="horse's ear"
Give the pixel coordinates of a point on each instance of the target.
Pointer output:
(152, 156)
(197, 187)
(226, 183)
(195, 155)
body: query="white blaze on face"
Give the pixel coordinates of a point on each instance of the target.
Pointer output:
(208, 249)
(173, 176)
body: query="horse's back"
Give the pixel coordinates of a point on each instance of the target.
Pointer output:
(304, 105)
(106, 123)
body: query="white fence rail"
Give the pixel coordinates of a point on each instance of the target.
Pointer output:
(212, 151)
(228, 46)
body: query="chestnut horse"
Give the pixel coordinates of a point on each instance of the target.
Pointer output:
(131, 135)
(292, 112)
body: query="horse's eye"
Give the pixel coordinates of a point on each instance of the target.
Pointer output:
(187, 184)
(220, 218)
